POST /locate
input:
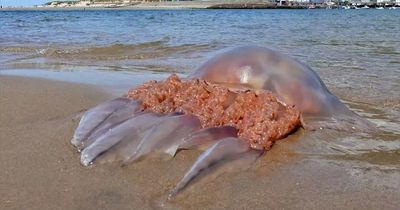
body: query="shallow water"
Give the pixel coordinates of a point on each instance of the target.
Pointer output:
(356, 53)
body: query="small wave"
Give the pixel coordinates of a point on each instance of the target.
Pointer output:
(53, 19)
(379, 159)
(146, 50)
(157, 55)
(385, 51)
(17, 49)
(329, 144)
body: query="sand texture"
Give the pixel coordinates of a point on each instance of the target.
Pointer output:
(40, 169)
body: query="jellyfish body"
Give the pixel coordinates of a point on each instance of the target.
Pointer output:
(120, 129)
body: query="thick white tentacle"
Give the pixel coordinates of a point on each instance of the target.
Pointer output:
(120, 115)
(166, 136)
(128, 133)
(204, 138)
(224, 150)
(94, 117)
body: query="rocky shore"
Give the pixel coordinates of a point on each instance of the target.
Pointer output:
(158, 5)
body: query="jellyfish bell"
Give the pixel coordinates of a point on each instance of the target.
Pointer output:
(261, 68)
(292, 82)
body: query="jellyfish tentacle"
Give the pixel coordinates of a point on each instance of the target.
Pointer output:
(123, 150)
(128, 133)
(94, 117)
(166, 136)
(204, 138)
(226, 149)
(123, 113)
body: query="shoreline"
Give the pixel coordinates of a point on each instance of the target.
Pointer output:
(193, 5)
(182, 5)
(105, 80)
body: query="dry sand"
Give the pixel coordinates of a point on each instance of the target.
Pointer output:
(41, 170)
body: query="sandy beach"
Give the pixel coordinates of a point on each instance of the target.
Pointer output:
(54, 65)
(40, 169)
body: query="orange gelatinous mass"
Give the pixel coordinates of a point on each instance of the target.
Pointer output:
(259, 117)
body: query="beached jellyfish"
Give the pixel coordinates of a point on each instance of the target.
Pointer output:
(234, 106)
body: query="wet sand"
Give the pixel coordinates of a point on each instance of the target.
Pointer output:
(40, 169)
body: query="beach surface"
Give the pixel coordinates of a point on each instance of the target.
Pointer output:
(40, 169)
